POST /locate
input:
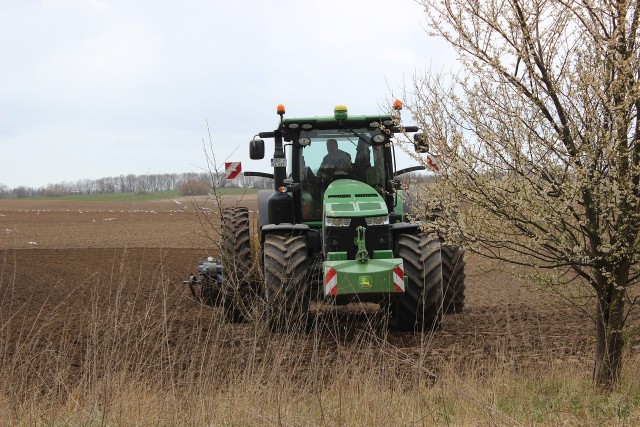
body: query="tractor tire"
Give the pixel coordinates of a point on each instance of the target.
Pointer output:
(286, 282)
(453, 279)
(237, 293)
(420, 307)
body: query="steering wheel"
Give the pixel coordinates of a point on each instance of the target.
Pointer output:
(326, 173)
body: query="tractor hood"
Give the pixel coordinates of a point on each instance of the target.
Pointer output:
(350, 198)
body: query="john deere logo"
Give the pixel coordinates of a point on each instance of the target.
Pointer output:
(365, 282)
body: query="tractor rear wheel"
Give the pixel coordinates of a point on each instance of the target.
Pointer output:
(286, 281)
(420, 307)
(238, 265)
(453, 279)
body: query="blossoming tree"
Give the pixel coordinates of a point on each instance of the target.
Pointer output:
(537, 137)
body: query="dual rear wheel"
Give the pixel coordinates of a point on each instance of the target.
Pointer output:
(420, 307)
(286, 281)
(285, 291)
(435, 284)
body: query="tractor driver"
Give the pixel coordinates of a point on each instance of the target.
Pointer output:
(335, 159)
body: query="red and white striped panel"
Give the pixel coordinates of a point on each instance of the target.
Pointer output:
(398, 279)
(330, 281)
(232, 169)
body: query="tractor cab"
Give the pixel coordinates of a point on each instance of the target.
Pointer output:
(327, 155)
(313, 152)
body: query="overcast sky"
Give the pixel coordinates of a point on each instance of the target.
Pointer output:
(95, 88)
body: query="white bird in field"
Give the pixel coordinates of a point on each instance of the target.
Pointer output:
(31, 243)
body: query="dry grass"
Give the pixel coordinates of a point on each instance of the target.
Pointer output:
(121, 364)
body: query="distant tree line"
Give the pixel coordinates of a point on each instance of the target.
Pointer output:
(188, 183)
(135, 184)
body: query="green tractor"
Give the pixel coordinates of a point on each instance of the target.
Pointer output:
(336, 228)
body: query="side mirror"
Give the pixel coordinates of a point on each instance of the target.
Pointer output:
(420, 143)
(256, 149)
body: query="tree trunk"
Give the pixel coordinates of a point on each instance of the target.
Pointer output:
(609, 338)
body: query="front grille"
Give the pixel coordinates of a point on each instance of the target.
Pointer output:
(341, 239)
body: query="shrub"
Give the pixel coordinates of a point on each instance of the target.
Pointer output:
(194, 188)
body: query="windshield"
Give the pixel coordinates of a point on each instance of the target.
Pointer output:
(335, 154)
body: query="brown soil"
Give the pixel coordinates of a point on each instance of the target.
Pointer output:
(51, 224)
(64, 260)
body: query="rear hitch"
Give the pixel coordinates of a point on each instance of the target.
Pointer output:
(206, 286)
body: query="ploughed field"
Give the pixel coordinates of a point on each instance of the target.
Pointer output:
(83, 280)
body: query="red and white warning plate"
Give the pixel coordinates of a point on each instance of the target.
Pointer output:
(232, 169)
